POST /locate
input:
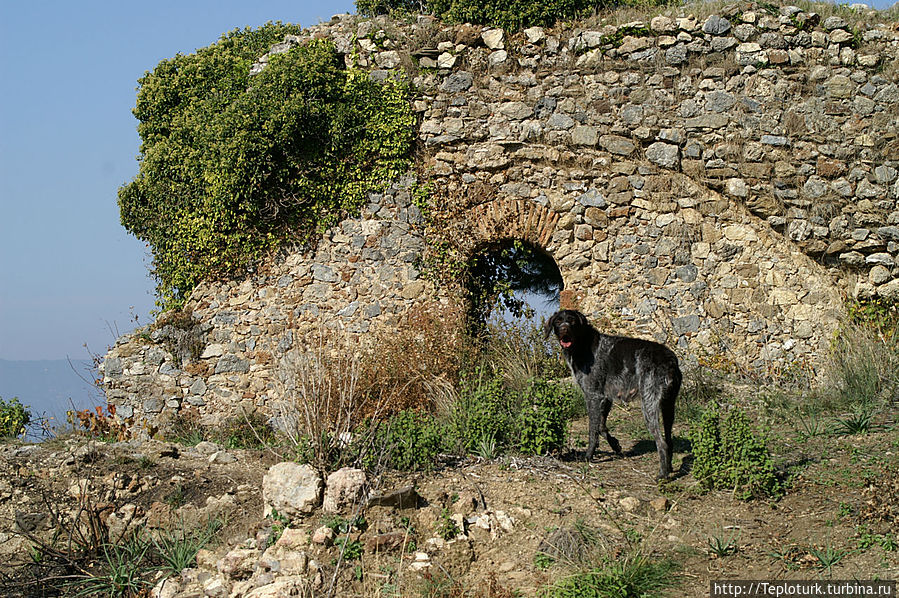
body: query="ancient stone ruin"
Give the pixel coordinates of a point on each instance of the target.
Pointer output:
(721, 184)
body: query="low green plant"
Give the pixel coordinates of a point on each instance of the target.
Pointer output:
(350, 549)
(14, 417)
(809, 425)
(280, 522)
(341, 525)
(729, 454)
(844, 510)
(176, 498)
(723, 545)
(543, 561)
(177, 548)
(486, 448)
(859, 421)
(866, 539)
(407, 441)
(187, 430)
(248, 431)
(483, 410)
(121, 571)
(862, 365)
(145, 462)
(445, 527)
(828, 556)
(543, 417)
(633, 576)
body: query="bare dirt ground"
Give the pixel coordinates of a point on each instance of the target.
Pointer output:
(837, 519)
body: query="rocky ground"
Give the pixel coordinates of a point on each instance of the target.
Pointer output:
(470, 527)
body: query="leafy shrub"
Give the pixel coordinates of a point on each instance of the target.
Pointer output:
(14, 416)
(483, 410)
(371, 8)
(543, 418)
(407, 441)
(730, 455)
(233, 164)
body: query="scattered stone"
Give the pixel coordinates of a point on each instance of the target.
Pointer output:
(291, 489)
(401, 498)
(343, 490)
(239, 563)
(323, 535)
(222, 458)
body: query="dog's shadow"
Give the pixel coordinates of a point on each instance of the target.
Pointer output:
(682, 446)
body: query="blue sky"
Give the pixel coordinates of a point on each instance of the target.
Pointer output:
(69, 273)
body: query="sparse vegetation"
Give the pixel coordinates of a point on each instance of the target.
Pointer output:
(14, 417)
(514, 15)
(732, 455)
(631, 576)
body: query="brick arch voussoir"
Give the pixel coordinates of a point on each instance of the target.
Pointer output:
(513, 219)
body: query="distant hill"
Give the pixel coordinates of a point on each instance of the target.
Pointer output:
(49, 387)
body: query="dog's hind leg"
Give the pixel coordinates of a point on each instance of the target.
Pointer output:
(663, 443)
(668, 422)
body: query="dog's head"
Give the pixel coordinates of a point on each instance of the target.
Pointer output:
(568, 325)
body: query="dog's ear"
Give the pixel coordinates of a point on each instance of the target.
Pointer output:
(548, 327)
(582, 319)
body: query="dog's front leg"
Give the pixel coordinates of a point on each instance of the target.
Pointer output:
(593, 411)
(604, 408)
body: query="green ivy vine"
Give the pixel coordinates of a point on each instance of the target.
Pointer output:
(234, 164)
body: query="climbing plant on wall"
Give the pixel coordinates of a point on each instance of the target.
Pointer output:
(508, 14)
(234, 164)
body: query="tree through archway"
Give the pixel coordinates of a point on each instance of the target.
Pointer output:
(511, 276)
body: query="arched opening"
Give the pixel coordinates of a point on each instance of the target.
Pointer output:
(511, 280)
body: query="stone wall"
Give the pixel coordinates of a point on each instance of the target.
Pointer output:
(720, 184)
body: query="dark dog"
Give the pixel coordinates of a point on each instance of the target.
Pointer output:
(617, 367)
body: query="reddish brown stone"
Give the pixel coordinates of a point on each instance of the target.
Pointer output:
(830, 168)
(778, 56)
